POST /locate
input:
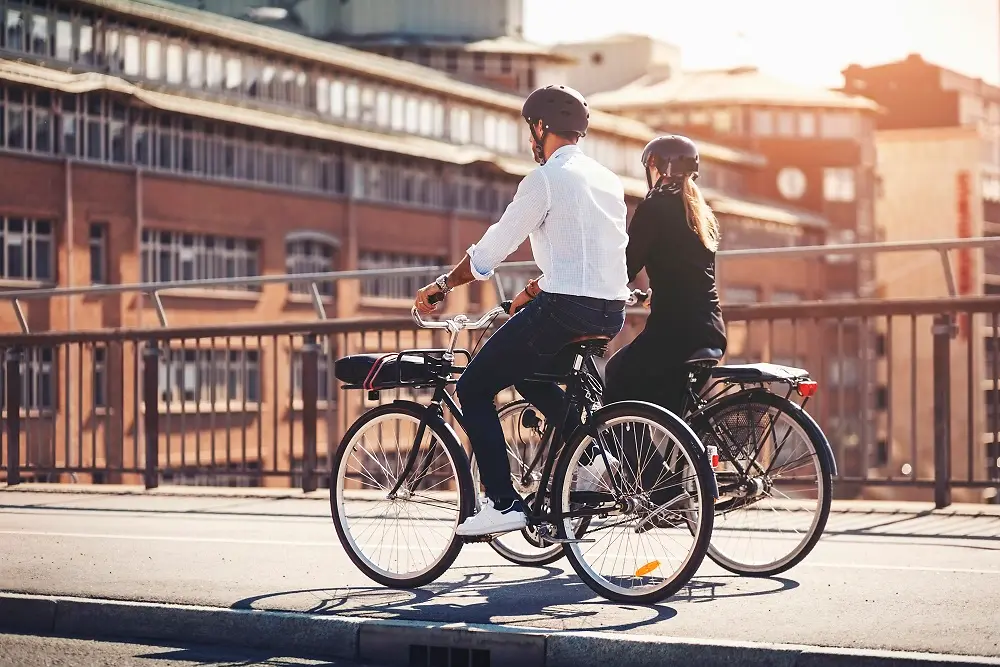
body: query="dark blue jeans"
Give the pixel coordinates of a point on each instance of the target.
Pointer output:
(526, 344)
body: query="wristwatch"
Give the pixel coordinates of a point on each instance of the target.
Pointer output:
(442, 282)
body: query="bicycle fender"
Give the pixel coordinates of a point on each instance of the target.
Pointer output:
(677, 422)
(433, 417)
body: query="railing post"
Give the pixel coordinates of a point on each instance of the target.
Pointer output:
(310, 389)
(13, 404)
(942, 330)
(151, 418)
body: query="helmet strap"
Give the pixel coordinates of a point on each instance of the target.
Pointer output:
(539, 148)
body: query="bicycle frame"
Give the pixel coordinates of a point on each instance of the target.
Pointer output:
(577, 391)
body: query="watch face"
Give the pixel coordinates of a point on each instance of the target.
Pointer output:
(791, 183)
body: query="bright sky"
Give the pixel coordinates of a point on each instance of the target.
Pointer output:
(807, 41)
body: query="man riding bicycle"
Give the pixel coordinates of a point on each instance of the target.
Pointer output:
(573, 210)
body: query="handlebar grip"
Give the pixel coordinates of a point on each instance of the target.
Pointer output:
(437, 297)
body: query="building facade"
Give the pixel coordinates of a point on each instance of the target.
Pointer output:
(939, 168)
(144, 141)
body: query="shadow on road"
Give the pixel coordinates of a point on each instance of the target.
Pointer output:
(550, 598)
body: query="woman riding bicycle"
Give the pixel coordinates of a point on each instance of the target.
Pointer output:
(673, 235)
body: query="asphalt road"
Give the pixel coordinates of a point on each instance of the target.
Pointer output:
(29, 651)
(903, 581)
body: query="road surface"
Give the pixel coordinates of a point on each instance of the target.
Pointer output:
(903, 580)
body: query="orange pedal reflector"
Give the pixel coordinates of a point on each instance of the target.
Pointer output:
(647, 568)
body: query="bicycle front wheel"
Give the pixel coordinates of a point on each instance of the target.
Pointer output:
(775, 483)
(407, 538)
(651, 509)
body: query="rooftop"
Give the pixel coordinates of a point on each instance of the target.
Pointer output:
(742, 85)
(498, 45)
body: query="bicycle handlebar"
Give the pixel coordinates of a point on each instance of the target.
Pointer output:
(456, 323)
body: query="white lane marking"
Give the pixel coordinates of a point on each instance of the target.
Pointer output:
(476, 545)
(904, 568)
(210, 540)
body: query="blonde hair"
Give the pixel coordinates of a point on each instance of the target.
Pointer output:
(699, 215)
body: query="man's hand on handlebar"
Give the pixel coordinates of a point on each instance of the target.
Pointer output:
(519, 302)
(641, 298)
(427, 298)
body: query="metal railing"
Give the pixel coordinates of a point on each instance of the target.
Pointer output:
(257, 404)
(154, 290)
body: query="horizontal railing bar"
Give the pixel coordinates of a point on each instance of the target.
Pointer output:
(734, 313)
(333, 276)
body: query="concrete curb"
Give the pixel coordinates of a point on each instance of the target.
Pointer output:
(411, 642)
(838, 507)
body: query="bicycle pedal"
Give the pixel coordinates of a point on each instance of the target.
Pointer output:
(471, 539)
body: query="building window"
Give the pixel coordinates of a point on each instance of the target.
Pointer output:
(310, 253)
(175, 64)
(324, 378)
(412, 115)
(461, 126)
(37, 379)
(479, 62)
(98, 253)
(505, 63)
(838, 184)
(40, 35)
(838, 125)
(451, 60)
(763, 123)
(722, 121)
(786, 124)
(783, 296)
(14, 30)
(195, 69)
(395, 287)
(64, 41)
(337, 98)
(132, 55)
(168, 256)
(843, 372)
(807, 124)
(740, 295)
(99, 376)
(152, 60)
(28, 250)
(353, 101)
(213, 377)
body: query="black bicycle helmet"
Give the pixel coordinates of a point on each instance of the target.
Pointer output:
(561, 109)
(674, 156)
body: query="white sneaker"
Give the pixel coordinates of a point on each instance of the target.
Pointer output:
(490, 520)
(590, 477)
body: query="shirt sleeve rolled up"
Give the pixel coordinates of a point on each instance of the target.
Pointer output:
(523, 215)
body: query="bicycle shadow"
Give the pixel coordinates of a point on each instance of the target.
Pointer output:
(552, 598)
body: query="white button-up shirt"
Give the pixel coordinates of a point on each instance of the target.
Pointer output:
(573, 210)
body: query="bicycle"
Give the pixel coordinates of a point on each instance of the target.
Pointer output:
(584, 499)
(726, 422)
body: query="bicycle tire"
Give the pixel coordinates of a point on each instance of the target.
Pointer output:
(688, 443)
(816, 441)
(466, 502)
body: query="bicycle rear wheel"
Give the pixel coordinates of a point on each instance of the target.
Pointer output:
(524, 428)
(409, 539)
(656, 531)
(771, 516)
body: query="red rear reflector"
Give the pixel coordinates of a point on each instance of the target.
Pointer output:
(713, 456)
(807, 389)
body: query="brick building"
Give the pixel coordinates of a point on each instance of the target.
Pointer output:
(938, 146)
(146, 141)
